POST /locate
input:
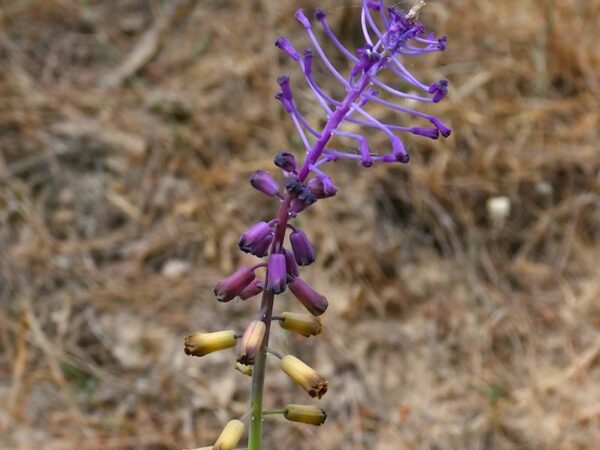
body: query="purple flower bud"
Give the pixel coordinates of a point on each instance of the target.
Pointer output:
(293, 185)
(234, 284)
(442, 43)
(286, 47)
(366, 160)
(322, 187)
(287, 104)
(439, 89)
(444, 130)
(304, 252)
(264, 182)
(398, 150)
(257, 239)
(306, 196)
(285, 161)
(297, 206)
(290, 264)
(375, 6)
(276, 273)
(432, 133)
(284, 84)
(314, 302)
(254, 288)
(320, 14)
(302, 18)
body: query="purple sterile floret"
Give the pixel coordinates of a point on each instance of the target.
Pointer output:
(286, 47)
(322, 187)
(444, 130)
(314, 302)
(293, 185)
(264, 182)
(302, 18)
(285, 161)
(432, 133)
(284, 84)
(276, 273)
(257, 239)
(439, 90)
(304, 251)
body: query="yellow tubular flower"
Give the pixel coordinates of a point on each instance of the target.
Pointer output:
(200, 344)
(305, 413)
(230, 436)
(303, 324)
(305, 376)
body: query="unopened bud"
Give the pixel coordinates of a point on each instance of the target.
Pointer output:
(246, 370)
(285, 161)
(309, 414)
(276, 273)
(234, 284)
(322, 187)
(314, 302)
(257, 239)
(264, 182)
(230, 436)
(303, 324)
(200, 344)
(285, 46)
(304, 375)
(304, 252)
(251, 342)
(254, 288)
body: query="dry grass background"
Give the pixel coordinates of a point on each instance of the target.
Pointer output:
(128, 129)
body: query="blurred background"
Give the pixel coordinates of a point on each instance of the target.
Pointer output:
(463, 287)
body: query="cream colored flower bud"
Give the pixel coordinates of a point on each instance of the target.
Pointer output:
(303, 324)
(200, 344)
(230, 436)
(251, 341)
(305, 413)
(304, 375)
(246, 370)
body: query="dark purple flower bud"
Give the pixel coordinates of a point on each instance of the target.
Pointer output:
(432, 133)
(234, 284)
(276, 273)
(302, 18)
(388, 158)
(264, 182)
(290, 264)
(375, 6)
(322, 187)
(286, 47)
(308, 59)
(306, 195)
(444, 130)
(320, 14)
(304, 252)
(285, 161)
(287, 104)
(297, 206)
(439, 90)
(314, 302)
(256, 239)
(293, 185)
(442, 43)
(252, 289)
(284, 84)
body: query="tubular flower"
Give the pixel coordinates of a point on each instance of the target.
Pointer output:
(200, 344)
(257, 239)
(234, 284)
(314, 302)
(276, 273)
(304, 375)
(230, 436)
(303, 324)
(251, 341)
(304, 252)
(309, 414)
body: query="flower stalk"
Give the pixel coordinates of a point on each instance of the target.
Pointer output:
(389, 38)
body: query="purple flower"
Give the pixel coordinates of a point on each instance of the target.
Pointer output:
(314, 302)
(228, 288)
(304, 252)
(254, 288)
(264, 182)
(322, 187)
(276, 273)
(257, 239)
(291, 266)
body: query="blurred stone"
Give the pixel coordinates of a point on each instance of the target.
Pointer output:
(175, 268)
